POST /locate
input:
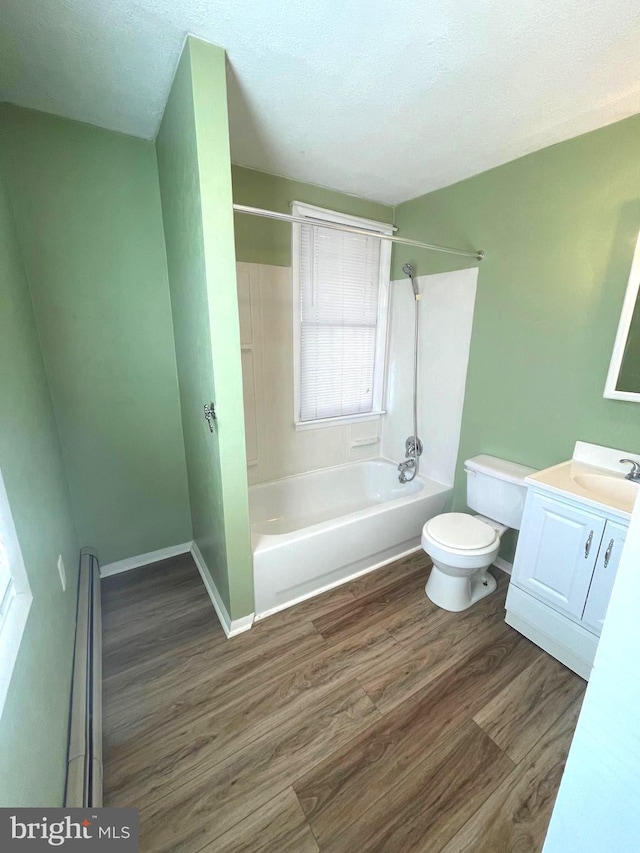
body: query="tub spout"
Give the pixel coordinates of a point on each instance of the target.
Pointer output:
(403, 467)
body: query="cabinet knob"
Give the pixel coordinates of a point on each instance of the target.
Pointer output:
(587, 546)
(607, 555)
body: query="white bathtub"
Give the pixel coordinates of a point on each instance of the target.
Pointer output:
(314, 531)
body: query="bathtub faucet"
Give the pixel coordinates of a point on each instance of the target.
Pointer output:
(413, 451)
(403, 467)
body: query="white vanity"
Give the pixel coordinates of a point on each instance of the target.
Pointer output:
(573, 529)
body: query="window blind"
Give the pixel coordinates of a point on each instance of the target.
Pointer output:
(339, 315)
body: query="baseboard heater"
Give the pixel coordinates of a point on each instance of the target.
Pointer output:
(84, 769)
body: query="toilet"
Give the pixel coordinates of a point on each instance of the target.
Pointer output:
(462, 546)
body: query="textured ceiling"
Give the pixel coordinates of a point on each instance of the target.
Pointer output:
(386, 100)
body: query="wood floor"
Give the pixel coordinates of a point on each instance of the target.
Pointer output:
(363, 720)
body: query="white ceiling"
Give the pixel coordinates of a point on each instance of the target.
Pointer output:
(387, 99)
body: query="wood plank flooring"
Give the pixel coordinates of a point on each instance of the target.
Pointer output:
(362, 720)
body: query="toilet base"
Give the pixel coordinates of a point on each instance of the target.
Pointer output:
(456, 593)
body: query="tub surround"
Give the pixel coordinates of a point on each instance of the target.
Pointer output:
(274, 447)
(446, 320)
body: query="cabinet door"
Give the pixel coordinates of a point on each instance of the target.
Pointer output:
(604, 576)
(556, 553)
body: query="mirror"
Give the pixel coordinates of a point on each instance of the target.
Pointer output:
(623, 379)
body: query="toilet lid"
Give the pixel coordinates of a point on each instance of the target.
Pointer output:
(461, 531)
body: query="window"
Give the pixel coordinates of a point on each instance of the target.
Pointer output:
(15, 595)
(340, 308)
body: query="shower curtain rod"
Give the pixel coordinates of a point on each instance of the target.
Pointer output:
(307, 220)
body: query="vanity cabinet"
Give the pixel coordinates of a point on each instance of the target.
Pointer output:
(557, 552)
(604, 575)
(563, 574)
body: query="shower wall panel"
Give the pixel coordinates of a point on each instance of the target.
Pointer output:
(446, 316)
(274, 448)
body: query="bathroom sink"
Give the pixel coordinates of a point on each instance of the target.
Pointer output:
(609, 488)
(595, 474)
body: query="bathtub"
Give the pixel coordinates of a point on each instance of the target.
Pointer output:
(313, 531)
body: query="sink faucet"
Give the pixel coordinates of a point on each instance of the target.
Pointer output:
(634, 473)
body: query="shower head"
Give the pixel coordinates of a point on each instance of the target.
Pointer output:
(407, 269)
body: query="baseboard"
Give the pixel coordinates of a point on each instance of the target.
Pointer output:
(144, 559)
(231, 627)
(504, 565)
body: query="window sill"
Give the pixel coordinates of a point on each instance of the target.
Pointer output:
(329, 422)
(10, 639)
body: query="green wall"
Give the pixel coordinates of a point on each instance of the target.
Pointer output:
(195, 185)
(559, 229)
(264, 241)
(87, 209)
(33, 726)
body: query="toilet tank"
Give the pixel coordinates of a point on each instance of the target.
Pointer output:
(496, 488)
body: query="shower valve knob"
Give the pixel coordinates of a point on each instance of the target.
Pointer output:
(411, 451)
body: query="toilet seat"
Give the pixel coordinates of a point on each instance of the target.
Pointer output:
(460, 532)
